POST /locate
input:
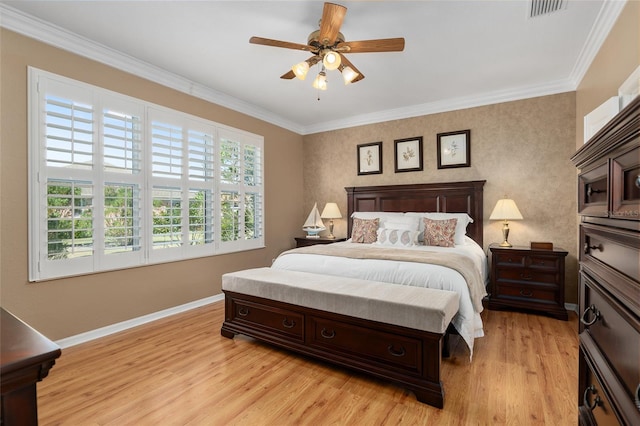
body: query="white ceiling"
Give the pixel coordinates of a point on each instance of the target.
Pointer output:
(458, 53)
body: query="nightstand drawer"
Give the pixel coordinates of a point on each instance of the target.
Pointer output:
(526, 274)
(509, 259)
(550, 263)
(528, 293)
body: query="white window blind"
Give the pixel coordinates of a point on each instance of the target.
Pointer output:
(117, 182)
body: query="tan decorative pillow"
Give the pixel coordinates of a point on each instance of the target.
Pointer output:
(439, 232)
(364, 230)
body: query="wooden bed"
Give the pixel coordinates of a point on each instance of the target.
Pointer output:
(301, 329)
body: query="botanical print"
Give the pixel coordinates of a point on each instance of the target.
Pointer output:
(370, 158)
(408, 154)
(454, 149)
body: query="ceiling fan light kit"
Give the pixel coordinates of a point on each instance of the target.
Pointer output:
(348, 74)
(320, 82)
(301, 70)
(331, 60)
(328, 46)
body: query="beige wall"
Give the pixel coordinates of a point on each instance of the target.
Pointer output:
(615, 61)
(65, 307)
(521, 148)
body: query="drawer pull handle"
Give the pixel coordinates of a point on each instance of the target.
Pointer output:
(591, 191)
(638, 395)
(587, 248)
(585, 398)
(288, 324)
(327, 334)
(526, 293)
(526, 277)
(596, 316)
(393, 352)
(243, 311)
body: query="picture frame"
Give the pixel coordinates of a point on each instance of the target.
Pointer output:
(454, 149)
(370, 158)
(408, 154)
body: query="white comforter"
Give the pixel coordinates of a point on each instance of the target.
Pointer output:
(467, 321)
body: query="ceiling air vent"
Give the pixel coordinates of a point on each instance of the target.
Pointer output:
(544, 7)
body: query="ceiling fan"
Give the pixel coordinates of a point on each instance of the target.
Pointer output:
(328, 46)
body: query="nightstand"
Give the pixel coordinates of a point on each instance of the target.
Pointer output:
(529, 279)
(304, 241)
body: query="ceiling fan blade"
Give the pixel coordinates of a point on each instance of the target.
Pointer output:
(311, 61)
(332, 17)
(348, 63)
(365, 46)
(278, 43)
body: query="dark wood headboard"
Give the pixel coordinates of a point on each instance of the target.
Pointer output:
(446, 197)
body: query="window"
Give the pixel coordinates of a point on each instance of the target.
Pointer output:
(117, 182)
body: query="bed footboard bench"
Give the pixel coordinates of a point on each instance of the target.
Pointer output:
(390, 331)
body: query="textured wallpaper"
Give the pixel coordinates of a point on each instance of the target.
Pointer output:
(520, 148)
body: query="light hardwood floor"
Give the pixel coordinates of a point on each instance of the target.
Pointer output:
(180, 371)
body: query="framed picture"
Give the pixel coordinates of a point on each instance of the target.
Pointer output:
(408, 154)
(454, 149)
(370, 158)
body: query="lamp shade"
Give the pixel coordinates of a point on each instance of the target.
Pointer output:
(320, 82)
(505, 209)
(301, 70)
(348, 74)
(331, 211)
(331, 60)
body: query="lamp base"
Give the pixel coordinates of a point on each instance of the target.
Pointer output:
(331, 236)
(505, 235)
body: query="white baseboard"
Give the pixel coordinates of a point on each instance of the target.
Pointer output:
(571, 307)
(125, 325)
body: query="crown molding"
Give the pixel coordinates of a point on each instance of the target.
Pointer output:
(53, 35)
(606, 19)
(446, 105)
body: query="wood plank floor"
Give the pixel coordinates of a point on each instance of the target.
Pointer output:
(180, 371)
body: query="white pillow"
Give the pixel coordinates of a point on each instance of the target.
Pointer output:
(382, 216)
(411, 223)
(461, 227)
(397, 237)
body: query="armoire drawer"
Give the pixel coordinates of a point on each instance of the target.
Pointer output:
(400, 353)
(593, 190)
(625, 185)
(614, 330)
(612, 256)
(594, 405)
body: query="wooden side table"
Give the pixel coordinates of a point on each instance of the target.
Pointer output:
(530, 279)
(26, 357)
(304, 241)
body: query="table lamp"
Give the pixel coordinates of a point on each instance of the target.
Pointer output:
(331, 211)
(506, 210)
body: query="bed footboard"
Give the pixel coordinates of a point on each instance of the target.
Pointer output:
(408, 357)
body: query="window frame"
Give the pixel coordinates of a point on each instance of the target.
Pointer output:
(200, 173)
